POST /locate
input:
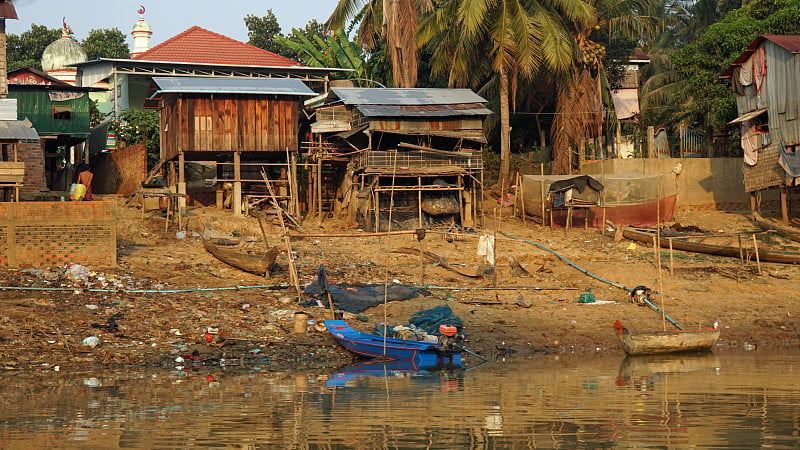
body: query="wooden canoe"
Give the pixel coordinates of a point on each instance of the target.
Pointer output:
(684, 244)
(235, 256)
(787, 231)
(665, 341)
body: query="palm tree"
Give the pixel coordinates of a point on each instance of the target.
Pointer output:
(477, 42)
(582, 94)
(395, 22)
(336, 50)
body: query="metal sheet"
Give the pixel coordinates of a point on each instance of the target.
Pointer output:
(17, 130)
(425, 111)
(411, 96)
(748, 116)
(208, 85)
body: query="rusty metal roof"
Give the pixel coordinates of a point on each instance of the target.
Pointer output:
(407, 96)
(209, 85)
(791, 43)
(468, 109)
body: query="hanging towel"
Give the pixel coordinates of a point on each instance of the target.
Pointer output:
(486, 248)
(746, 74)
(759, 67)
(750, 140)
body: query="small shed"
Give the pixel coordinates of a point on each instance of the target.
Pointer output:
(410, 155)
(243, 124)
(60, 114)
(766, 80)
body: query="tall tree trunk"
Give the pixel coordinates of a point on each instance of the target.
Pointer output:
(505, 131)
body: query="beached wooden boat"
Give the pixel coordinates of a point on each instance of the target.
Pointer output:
(687, 245)
(421, 354)
(665, 341)
(787, 231)
(233, 255)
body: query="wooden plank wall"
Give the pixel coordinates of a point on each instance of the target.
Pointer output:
(230, 123)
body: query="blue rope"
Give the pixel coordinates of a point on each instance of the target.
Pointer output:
(617, 285)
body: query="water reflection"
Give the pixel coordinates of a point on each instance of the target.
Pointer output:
(720, 400)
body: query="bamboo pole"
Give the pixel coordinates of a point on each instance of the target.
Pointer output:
(671, 270)
(522, 201)
(293, 276)
(758, 260)
(741, 251)
(541, 194)
(660, 285)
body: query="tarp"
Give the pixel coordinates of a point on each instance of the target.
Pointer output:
(358, 298)
(626, 103)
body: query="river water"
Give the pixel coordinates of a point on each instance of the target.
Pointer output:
(730, 398)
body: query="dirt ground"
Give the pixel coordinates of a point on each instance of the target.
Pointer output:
(49, 317)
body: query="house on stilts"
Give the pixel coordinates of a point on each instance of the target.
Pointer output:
(767, 86)
(397, 158)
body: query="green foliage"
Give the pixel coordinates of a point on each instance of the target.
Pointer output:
(105, 43)
(26, 49)
(701, 62)
(334, 51)
(262, 32)
(137, 125)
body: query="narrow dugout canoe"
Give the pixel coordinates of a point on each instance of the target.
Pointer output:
(234, 256)
(665, 341)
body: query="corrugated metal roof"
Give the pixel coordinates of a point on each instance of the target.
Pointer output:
(791, 43)
(208, 85)
(17, 130)
(471, 109)
(410, 96)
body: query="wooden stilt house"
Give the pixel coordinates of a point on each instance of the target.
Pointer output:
(398, 158)
(766, 80)
(243, 124)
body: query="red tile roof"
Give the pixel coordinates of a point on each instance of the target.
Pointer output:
(198, 45)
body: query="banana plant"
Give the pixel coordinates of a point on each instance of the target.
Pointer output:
(336, 50)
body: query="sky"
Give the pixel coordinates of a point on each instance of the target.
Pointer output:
(166, 17)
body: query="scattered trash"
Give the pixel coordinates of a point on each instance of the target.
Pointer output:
(91, 341)
(91, 306)
(523, 302)
(180, 235)
(91, 382)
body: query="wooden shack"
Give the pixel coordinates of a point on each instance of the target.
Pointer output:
(243, 124)
(398, 158)
(767, 86)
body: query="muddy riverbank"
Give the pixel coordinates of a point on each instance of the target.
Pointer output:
(169, 302)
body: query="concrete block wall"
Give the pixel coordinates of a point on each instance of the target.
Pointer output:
(41, 234)
(32, 153)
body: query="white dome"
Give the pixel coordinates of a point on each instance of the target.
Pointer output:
(141, 25)
(62, 52)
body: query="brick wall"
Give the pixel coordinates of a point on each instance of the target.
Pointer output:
(39, 234)
(34, 182)
(120, 171)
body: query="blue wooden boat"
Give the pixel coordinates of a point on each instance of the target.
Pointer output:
(421, 354)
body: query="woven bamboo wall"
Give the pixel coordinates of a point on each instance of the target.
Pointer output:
(40, 234)
(767, 172)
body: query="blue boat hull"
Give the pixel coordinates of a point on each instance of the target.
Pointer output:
(421, 354)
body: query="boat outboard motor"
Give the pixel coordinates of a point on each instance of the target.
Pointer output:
(640, 295)
(449, 337)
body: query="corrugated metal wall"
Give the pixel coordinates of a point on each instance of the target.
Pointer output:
(37, 106)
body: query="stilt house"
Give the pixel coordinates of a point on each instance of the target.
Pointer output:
(244, 124)
(398, 158)
(766, 80)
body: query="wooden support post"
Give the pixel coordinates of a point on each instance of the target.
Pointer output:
(181, 181)
(651, 142)
(522, 201)
(758, 260)
(541, 192)
(671, 265)
(741, 250)
(319, 189)
(419, 207)
(220, 196)
(784, 206)
(237, 183)
(753, 208)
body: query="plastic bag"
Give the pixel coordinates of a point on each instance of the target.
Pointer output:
(78, 193)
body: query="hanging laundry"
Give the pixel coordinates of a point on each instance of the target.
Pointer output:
(746, 73)
(486, 248)
(759, 67)
(750, 142)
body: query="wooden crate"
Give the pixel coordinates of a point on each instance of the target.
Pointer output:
(12, 172)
